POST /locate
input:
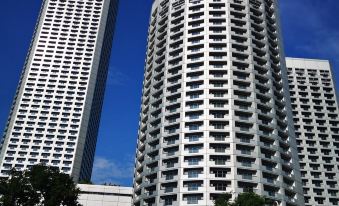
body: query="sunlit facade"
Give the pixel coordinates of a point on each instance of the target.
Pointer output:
(55, 115)
(316, 121)
(216, 114)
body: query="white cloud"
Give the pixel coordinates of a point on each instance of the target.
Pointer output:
(111, 171)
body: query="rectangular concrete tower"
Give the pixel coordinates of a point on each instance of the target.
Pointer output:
(55, 115)
(316, 121)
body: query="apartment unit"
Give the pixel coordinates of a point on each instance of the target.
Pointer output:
(103, 195)
(316, 121)
(216, 114)
(56, 110)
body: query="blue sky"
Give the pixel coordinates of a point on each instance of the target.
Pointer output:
(310, 28)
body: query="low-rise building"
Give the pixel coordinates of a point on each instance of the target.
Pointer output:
(102, 195)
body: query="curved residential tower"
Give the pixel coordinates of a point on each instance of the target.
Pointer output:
(216, 114)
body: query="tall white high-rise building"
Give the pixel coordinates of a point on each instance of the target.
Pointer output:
(316, 121)
(56, 111)
(216, 114)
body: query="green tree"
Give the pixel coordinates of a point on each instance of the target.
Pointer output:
(16, 191)
(249, 199)
(223, 200)
(39, 186)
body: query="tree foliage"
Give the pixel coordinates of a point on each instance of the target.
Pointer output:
(39, 186)
(243, 199)
(223, 200)
(249, 199)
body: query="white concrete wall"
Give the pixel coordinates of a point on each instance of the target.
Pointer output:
(101, 195)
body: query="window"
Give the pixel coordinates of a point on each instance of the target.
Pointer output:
(193, 173)
(173, 110)
(219, 149)
(192, 199)
(194, 106)
(169, 189)
(169, 177)
(193, 186)
(194, 96)
(218, 115)
(246, 163)
(193, 149)
(220, 173)
(193, 161)
(194, 86)
(220, 161)
(246, 151)
(193, 138)
(218, 75)
(218, 126)
(194, 116)
(170, 131)
(194, 127)
(218, 94)
(217, 66)
(271, 193)
(171, 141)
(168, 201)
(172, 120)
(170, 164)
(247, 176)
(218, 105)
(219, 137)
(220, 186)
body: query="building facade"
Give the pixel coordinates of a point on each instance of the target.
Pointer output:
(102, 195)
(56, 110)
(316, 121)
(216, 114)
